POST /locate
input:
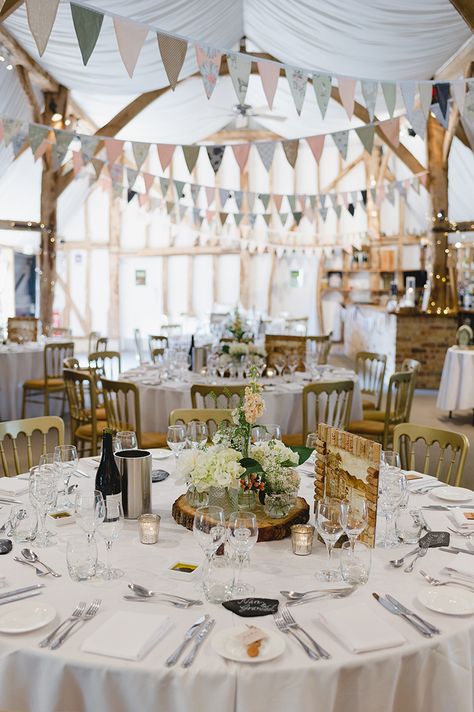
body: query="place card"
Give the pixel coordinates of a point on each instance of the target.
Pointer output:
(252, 607)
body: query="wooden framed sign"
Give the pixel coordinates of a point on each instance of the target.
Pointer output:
(347, 467)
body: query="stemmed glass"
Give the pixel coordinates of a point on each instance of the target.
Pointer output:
(210, 532)
(293, 363)
(196, 434)
(392, 490)
(354, 517)
(67, 460)
(109, 529)
(264, 433)
(243, 534)
(43, 490)
(176, 439)
(89, 508)
(329, 525)
(279, 362)
(125, 440)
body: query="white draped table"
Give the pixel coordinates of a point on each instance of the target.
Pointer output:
(18, 363)
(422, 675)
(283, 401)
(456, 390)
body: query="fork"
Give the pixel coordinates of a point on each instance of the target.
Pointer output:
(90, 613)
(291, 623)
(284, 628)
(308, 599)
(437, 582)
(77, 613)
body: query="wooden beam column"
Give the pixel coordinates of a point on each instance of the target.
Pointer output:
(115, 222)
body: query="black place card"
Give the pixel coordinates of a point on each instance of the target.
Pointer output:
(434, 539)
(252, 607)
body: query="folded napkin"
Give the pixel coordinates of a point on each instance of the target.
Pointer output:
(12, 487)
(463, 517)
(463, 564)
(307, 468)
(127, 634)
(360, 630)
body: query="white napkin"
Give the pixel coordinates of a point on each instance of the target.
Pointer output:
(307, 468)
(360, 630)
(463, 564)
(459, 516)
(127, 634)
(12, 487)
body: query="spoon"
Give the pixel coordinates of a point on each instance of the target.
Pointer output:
(399, 562)
(295, 595)
(422, 552)
(342, 593)
(39, 572)
(32, 557)
(146, 593)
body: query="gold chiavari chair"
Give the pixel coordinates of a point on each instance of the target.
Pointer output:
(320, 346)
(86, 427)
(213, 417)
(204, 396)
(13, 435)
(52, 384)
(370, 369)
(155, 341)
(284, 345)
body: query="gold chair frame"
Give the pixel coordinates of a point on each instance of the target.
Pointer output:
(370, 369)
(232, 395)
(82, 398)
(213, 417)
(155, 341)
(323, 345)
(27, 426)
(339, 405)
(52, 383)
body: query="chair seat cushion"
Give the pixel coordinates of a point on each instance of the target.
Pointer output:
(40, 383)
(100, 413)
(367, 427)
(84, 432)
(367, 404)
(293, 439)
(152, 440)
(374, 415)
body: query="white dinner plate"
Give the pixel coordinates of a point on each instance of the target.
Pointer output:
(450, 600)
(25, 616)
(161, 454)
(227, 644)
(452, 494)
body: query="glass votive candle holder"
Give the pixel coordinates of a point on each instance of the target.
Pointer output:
(355, 563)
(302, 539)
(149, 528)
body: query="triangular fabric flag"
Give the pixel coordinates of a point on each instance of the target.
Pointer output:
(216, 154)
(173, 54)
(41, 15)
(390, 193)
(88, 146)
(210, 215)
(252, 219)
(324, 213)
(210, 195)
(351, 209)
(11, 127)
(142, 199)
(389, 90)
(238, 218)
(369, 92)
(164, 185)
(223, 218)
(364, 196)
(113, 149)
(442, 91)
(391, 130)
(346, 92)
(165, 154)
(182, 211)
(322, 89)
(418, 122)
(63, 139)
(87, 24)
(169, 207)
(223, 196)
(42, 148)
(131, 177)
(140, 152)
(458, 91)
(338, 211)
(297, 217)
(116, 173)
(130, 40)
(269, 73)
(239, 196)
(191, 154)
(241, 153)
(265, 198)
(98, 165)
(239, 69)
(341, 139)
(267, 219)
(443, 120)
(17, 142)
(298, 81)
(426, 97)
(179, 185)
(468, 109)
(209, 62)
(292, 202)
(36, 135)
(334, 198)
(195, 190)
(322, 199)
(251, 200)
(266, 151)
(77, 162)
(316, 144)
(408, 90)
(291, 150)
(277, 201)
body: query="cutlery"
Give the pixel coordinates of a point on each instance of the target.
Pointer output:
(437, 582)
(284, 628)
(200, 638)
(422, 552)
(32, 557)
(146, 593)
(19, 597)
(291, 623)
(455, 572)
(397, 612)
(81, 473)
(427, 488)
(9, 500)
(190, 633)
(155, 599)
(423, 522)
(458, 533)
(294, 595)
(399, 562)
(407, 611)
(25, 589)
(342, 593)
(77, 613)
(90, 613)
(39, 572)
(443, 507)
(456, 550)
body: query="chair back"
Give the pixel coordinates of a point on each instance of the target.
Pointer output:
(101, 344)
(157, 355)
(22, 328)
(139, 345)
(433, 451)
(155, 341)
(10, 448)
(71, 362)
(106, 364)
(213, 417)
(370, 368)
(329, 402)
(82, 398)
(93, 336)
(285, 345)
(204, 396)
(54, 356)
(320, 346)
(122, 406)
(398, 398)
(411, 364)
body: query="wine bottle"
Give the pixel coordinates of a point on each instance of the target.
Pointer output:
(107, 479)
(191, 354)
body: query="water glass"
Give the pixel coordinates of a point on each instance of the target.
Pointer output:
(89, 508)
(218, 579)
(176, 439)
(43, 491)
(355, 562)
(22, 523)
(329, 517)
(109, 529)
(265, 433)
(242, 536)
(355, 516)
(125, 440)
(409, 526)
(196, 434)
(392, 488)
(210, 532)
(81, 558)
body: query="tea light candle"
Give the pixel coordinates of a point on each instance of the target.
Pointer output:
(270, 372)
(302, 539)
(148, 528)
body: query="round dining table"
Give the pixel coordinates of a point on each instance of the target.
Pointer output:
(283, 398)
(420, 674)
(456, 389)
(18, 363)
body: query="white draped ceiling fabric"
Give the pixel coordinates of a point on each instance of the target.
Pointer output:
(373, 39)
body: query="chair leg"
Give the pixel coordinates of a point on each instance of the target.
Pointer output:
(46, 402)
(450, 414)
(23, 404)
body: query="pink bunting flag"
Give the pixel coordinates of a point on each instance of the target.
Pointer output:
(277, 199)
(391, 130)
(143, 199)
(113, 149)
(77, 162)
(241, 153)
(316, 144)
(173, 54)
(2, 133)
(148, 180)
(269, 73)
(165, 154)
(209, 62)
(130, 39)
(210, 194)
(346, 92)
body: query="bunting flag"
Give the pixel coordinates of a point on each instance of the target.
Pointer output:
(130, 40)
(87, 24)
(426, 97)
(89, 146)
(238, 196)
(241, 153)
(173, 53)
(63, 139)
(322, 89)
(191, 154)
(468, 112)
(223, 196)
(11, 127)
(209, 62)
(269, 74)
(442, 93)
(418, 122)
(216, 154)
(77, 163)
(140, 152)
(389, 90)
(131, 177)
(266, 151)
(298, 81)
(239, 70)
(41, 15)
(369, 92)
(165, 154)
(366, 135)
(408, 90)
(346, 92)
(195, 191)
(291, 150)
(210, 195)
(458, 91)
(36, 135)
(113, 149)
(341, 139)
(391, 130)
(178, 184)
(316, 144)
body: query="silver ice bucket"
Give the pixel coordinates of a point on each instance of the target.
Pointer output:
(135, 470)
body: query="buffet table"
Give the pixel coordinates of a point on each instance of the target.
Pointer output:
(422, 674)
(456, 390)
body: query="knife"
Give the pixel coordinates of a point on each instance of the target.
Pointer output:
(456, 550)
(404, 609)
(390, 607)
(200, 638)
(25, 589)
(444, 507)
(189, 635)
(19, 597)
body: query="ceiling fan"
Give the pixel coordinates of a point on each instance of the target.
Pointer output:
(243, 112)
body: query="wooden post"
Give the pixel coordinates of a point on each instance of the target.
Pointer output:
(115, 221)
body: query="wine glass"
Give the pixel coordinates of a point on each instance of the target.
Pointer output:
(210, 532)
(329, 525)
(196, 434)
(109, 529)
(279, 362)
(293, 362)
(392, 488)
(355, 517)
(43, 491)
(243, 534)
(89, 508)
(125, 440)
(264, 433)
(176, 439)
(67, 460)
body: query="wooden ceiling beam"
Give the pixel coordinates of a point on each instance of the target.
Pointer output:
(8, 7)
(457, 65)
(38, 75)
(466, 10)
(350, 166)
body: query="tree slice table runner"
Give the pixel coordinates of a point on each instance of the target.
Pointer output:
(268, 529)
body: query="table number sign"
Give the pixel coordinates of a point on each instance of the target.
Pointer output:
(347, 466)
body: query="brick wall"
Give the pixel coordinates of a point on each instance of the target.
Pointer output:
(425, 338)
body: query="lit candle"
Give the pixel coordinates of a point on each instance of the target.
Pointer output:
(302, 539)
(148, 528)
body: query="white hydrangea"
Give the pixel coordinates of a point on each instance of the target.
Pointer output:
(238, 349)
(271, 455)
(217, 466)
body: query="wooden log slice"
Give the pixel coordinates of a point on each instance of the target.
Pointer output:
(268, 529)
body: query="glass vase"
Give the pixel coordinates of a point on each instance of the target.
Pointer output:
(278, 506)
(247, 500)
(225, 497)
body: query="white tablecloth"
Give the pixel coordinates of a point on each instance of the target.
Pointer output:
(283, 402)
(18, 363)
(456, 390)
(422, 675)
